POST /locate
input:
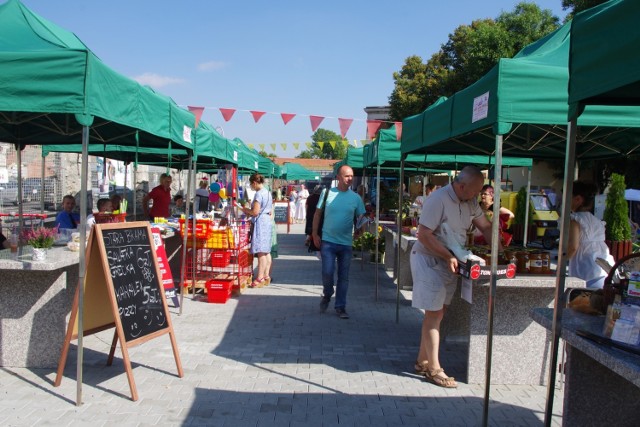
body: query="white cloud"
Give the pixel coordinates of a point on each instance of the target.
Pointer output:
(155, 80)
(211, 65)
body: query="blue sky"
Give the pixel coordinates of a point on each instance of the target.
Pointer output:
(327, 58)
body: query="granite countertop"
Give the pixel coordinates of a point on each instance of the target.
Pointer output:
(622, 362)
(57, 257)
(535, 281)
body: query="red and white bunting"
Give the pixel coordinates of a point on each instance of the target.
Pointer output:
(227, 113)
(398, 130)
(315, 122)
(345, 124)
(257, 115)
(372, 128)
(197, 111)
(286, 117)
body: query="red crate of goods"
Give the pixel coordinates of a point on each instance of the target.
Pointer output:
(203, 228)
(220, 258)
(108, 218)
(218, 291)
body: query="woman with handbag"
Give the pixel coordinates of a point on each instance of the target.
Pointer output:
(261, 234)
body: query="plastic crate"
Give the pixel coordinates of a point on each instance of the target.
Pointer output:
(220, 258)
(108, 218)
(218, 291)
(216, 239)
(203, 228)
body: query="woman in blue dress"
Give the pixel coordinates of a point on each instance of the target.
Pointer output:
(260, 211)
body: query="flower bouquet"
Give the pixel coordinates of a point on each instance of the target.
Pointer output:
(41, 237)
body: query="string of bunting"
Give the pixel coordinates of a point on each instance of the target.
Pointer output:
(345, 123)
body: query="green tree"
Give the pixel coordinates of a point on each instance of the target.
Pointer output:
(326, 137)
(579, 5)
(264, 154)
(470, 52)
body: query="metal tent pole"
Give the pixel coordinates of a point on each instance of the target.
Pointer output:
(495, 236)
(399, 236)
(561, 272)
(184, 235)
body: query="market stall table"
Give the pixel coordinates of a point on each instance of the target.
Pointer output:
(602, 384)
(36, 302)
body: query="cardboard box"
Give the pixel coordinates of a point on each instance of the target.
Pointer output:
(474, 271)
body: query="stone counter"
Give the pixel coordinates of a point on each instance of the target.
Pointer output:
(602, 384)
(35, 304)
(403, 274)
(521, 347)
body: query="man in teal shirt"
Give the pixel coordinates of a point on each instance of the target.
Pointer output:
(342, 206)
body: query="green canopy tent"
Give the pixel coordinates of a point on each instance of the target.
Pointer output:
(603, 71)
(54, 90)
(520, 108)
(295, 172)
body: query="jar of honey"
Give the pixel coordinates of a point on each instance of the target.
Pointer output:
(535, 262)
(522, 262)
(546, 262)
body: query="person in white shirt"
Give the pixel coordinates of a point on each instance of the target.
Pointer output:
(301, 204)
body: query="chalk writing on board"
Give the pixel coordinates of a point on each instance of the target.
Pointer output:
(135, 281)
(281, 214)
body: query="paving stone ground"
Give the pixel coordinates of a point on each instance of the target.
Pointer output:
(269, 358)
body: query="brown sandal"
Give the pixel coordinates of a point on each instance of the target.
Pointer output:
(434, 377)
(421, 367)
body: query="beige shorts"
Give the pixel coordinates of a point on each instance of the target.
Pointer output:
(433, 283)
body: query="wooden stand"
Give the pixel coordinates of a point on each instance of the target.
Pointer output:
(122, 289)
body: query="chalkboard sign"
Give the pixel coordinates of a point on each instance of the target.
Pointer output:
(122, 288)
(135, 281)
(281, 212)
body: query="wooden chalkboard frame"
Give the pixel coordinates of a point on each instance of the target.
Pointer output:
(100, 307)
(277, 214)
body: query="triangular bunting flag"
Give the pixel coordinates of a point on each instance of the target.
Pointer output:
(296, 145)
(315, 122)
(321, 144)
(372, 128)
(286, 117)
(332, 144)
(364, 142)
(257, 115)
(284, 146)
(308, 144)
(273, 147)
(398, 130)
(355, 142)
(345, 142)
(345, 124)
(261, 147)
(227, 113)
(197, 111)
(250, 146)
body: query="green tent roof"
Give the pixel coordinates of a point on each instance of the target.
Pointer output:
(295, 172)
(51, 85)
(525, 99)
(604, 65)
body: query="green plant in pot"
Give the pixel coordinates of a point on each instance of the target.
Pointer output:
(616, 216)
(517, 228)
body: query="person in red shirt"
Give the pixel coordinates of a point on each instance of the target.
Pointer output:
(161, 196)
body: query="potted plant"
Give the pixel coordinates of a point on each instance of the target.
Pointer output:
(40, 239)
(517, 228)
(616, 217)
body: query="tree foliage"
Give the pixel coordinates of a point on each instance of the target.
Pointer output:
(470, 52)
(270, 156)
(326, 145)
(579, 5)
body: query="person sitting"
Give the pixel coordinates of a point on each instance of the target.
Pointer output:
(104, 206)
(115, 202)
(178, 205)
(67, 218)
(486, 204)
